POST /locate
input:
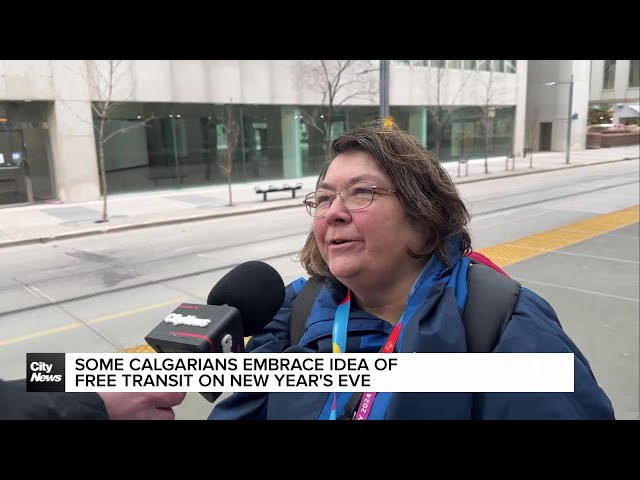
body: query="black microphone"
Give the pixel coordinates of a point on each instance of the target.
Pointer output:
(239, 305)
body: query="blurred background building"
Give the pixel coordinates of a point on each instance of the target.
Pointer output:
(614, 92)
(169, 124)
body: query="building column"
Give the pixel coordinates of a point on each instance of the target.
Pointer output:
(418, 124)
(520, 114)
(73, 147)
(291, 150)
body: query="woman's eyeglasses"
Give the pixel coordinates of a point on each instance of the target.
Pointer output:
(354, 196)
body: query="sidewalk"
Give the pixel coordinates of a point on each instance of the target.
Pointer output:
(47, 222)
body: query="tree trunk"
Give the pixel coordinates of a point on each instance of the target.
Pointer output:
(486, 150)
(229, 185)
(438, 139)
(439, 128)
(101, 166)
(327, 133)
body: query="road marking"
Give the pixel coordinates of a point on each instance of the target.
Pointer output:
(597, 257)
(39, 293)
(582, 290)
(93, 321)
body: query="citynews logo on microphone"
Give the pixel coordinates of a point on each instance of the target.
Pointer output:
(45, 372)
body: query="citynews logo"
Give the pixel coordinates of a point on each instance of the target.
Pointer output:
(45, 372)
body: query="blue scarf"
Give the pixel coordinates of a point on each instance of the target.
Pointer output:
(432, 322)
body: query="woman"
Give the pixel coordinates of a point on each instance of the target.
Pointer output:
(390, 236)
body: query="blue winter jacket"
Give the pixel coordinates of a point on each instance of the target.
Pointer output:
(432, 322)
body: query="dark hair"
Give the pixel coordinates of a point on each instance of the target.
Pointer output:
(424, 188)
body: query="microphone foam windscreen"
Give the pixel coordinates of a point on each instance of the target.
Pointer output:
(255, 289)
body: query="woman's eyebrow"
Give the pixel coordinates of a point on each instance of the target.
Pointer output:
(358, 178)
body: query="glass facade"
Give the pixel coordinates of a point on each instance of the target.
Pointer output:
(25, 154)
(634, 73)
(506, 66)
(166, 146)
(609, 74)
(462, 132)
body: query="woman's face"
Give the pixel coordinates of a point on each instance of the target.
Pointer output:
(369, 245)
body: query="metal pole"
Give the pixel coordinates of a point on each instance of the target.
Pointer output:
(569, 120)
(27, 168)
(384, 88)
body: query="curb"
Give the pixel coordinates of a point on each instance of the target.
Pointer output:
(209, 216)
(140, 225)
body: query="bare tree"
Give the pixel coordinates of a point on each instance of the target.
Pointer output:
(104, 77)
(231, 136)
(488, 113)
(337, 81)
(441, 114)
(491, 92)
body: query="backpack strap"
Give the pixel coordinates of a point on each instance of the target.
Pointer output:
(491, 298)
(301, 308)
(484, 321)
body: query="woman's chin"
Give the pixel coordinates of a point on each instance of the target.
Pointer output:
(344, 270)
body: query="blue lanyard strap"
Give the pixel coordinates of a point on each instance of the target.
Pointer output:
(340, 324)
(340, 338)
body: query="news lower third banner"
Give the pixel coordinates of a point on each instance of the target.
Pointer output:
(300, 372)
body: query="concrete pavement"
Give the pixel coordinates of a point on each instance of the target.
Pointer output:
(54, 221)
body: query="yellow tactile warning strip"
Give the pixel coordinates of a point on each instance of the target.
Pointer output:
(540, 243)
(518, 250)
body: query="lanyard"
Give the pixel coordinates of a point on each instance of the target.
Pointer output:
(339, 342)
(367, 399)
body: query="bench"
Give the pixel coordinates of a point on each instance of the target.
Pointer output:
(273, 188)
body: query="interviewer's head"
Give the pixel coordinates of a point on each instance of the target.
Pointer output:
(387, 202)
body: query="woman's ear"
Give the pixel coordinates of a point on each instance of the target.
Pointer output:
(426, 243)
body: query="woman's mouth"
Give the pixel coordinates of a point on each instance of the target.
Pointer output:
(341, 244)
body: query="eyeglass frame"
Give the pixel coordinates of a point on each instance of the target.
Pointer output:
(333, 196)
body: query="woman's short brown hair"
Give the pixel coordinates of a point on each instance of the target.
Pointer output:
(424, 188)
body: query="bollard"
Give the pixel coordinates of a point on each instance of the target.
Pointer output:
(466, 164)
(513, 161)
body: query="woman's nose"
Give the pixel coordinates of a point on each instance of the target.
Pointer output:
(337, 211)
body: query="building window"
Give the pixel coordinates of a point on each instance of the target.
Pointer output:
(634, 74)
(454, 63)
(609, 74)
(24, 137)
(469, 64)
(400, 62)
(510, 66)
(437, 63)
(420, 63)
(484, 65)
(498, 65)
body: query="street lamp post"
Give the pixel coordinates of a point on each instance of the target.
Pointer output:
(384, 88)
(569, 116)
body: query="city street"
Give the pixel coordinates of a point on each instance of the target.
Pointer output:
(104, 293)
